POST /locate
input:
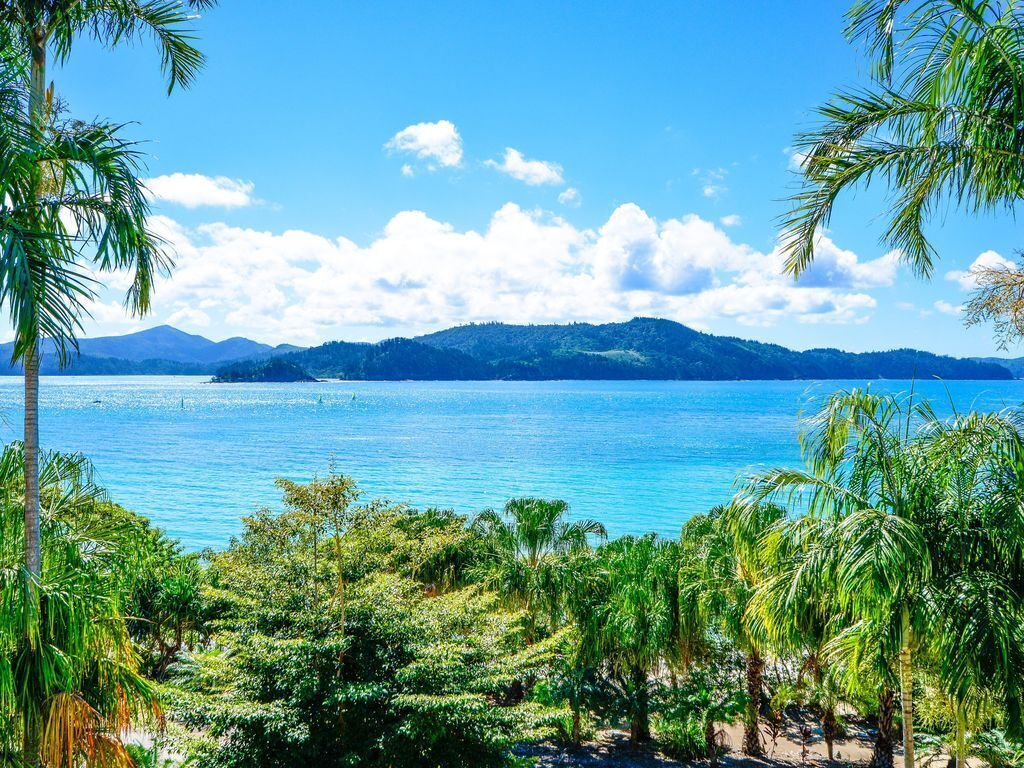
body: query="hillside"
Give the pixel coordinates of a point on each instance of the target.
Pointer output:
(274, 370)
(642, 348)
(1014, 365)
(162, 350)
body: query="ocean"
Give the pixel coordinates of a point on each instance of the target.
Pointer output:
(638, 456)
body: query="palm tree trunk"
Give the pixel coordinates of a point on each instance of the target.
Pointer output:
(33, 549)
(751, 735)
(907, 692)
(829, 727)
(710, 739)
(882, 753)
(640, 727)
(961, 739)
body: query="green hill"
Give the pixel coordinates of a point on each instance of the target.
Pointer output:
(643, 348)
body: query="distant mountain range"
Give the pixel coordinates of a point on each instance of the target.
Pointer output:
(643, 348)
(159, 350)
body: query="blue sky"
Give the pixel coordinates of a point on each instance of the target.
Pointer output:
(363, 170)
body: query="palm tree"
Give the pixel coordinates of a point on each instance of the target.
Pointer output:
(629, 624)
(911, 542)
(69, 682)
(722, 556)
(793, 607)
(73, 201)
(530, 555)
(939, 125)
(864, 469)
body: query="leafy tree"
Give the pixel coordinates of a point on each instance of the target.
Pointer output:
(407, 670)
(629, 621)
(795, 609)
(70, 687)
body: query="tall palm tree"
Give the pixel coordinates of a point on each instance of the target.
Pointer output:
(69, 682)
(793, 607)
(74, 204)
(630, 621)
(864, 469)
(530, 549)
(938, 125)
(721, 553)
(920, 541)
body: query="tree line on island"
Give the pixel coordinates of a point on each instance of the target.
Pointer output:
(643, 348)
(879, 587)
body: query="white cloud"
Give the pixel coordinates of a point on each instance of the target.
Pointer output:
(523, 267)
(437, 143)
(835, 267)
(796, 158)
(193, 190)
(731, 220)
(987, 260)
(712, 181)
(407, 170)
(532, 172)
(947, 309)
(570, 196)
(194, 318)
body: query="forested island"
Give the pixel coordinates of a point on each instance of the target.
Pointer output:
(643, 348)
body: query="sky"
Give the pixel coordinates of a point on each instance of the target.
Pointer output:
(363, 170)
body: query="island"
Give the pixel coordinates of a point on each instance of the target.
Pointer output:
(265, 371)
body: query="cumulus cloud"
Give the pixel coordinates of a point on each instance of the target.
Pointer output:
(532, 172)
(570, 196)
(193, 190)
(524, 266)
(947, 309)
(439, 144)
(965, 277)
(835, 267)
(731, 220)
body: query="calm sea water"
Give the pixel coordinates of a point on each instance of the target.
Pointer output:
(640, 456)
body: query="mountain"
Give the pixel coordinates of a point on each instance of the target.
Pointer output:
(1014, 365)
(643, 348)
(155, 351)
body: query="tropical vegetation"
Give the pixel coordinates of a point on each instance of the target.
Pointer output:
(938, 125)
(879, 587)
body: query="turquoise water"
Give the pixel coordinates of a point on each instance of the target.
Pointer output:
(639, 456)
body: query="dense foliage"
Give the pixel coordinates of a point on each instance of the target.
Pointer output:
(273, 370)
(882, 582)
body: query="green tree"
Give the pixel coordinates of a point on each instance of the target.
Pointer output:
(530, 556)
(69, 682)
(74, 203)
(910, 543)
(794, 608)
(629, 620)
(723, 558)
(939, 125)
(401, 674)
